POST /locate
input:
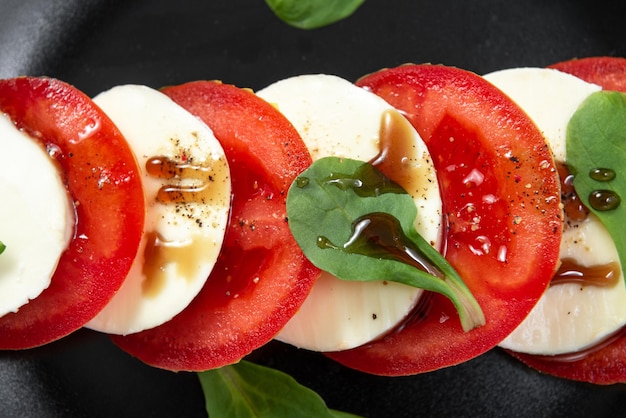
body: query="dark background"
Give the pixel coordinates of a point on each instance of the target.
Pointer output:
(98, 44)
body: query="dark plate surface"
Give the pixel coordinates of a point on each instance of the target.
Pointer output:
(97, 44)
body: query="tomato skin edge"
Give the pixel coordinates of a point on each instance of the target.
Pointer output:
(103, 181)
(492, 132)
(604, 366)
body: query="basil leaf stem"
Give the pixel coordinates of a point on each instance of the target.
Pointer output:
(355, 223)
(248, 390)
(596, 157)
(312, 14)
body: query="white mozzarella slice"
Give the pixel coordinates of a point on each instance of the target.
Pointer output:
(337, 118)
(569, 317)
(550, 97)
(184, 229)
(36, 217)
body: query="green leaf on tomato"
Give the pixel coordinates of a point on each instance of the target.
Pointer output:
(248, 390)
(596, 156)
(312, 14)
(357, 224)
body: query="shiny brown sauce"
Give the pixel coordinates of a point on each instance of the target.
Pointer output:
(159, 253)
(399, 157)
(602, 275)
(191, 188)
(573, 207)
(192, 183)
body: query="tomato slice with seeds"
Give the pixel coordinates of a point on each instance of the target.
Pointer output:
(261, 276)
(605, 363)
(103, 181)
(500, 195)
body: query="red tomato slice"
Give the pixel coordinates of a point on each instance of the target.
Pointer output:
(608, 72)
(606, 363)
(500, 196)
(261, 277)
(103, 180)
(603, 365)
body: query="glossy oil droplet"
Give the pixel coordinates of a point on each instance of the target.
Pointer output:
(302, 182)
(324, 243)
(602, 174)
(604, 200)
(54, 150)
(90, 127)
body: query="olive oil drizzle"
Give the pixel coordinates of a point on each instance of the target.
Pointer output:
(366, 182)
(570, 271)
(398, 157)
(380, 235)
(166, 168)
(191, 187)
(392, 170)
(602, 275)
(573, 207)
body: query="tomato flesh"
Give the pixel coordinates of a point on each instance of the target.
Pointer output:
(261, 277)
(500, 195)
(606, 363)
(103, 181)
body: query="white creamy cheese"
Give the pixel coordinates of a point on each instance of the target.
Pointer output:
(36, 217)
(569, 317)
(184, 228)
(337, 118)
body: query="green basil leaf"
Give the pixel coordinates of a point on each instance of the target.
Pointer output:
(248, 390)
(2, 247)
(312, 14)
(355, 223)
(596, 141)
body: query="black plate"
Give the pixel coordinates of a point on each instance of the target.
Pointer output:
(98, 44)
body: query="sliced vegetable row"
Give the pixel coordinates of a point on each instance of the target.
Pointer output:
(142, 214)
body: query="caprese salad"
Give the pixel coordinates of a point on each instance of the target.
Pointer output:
(404, 223)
